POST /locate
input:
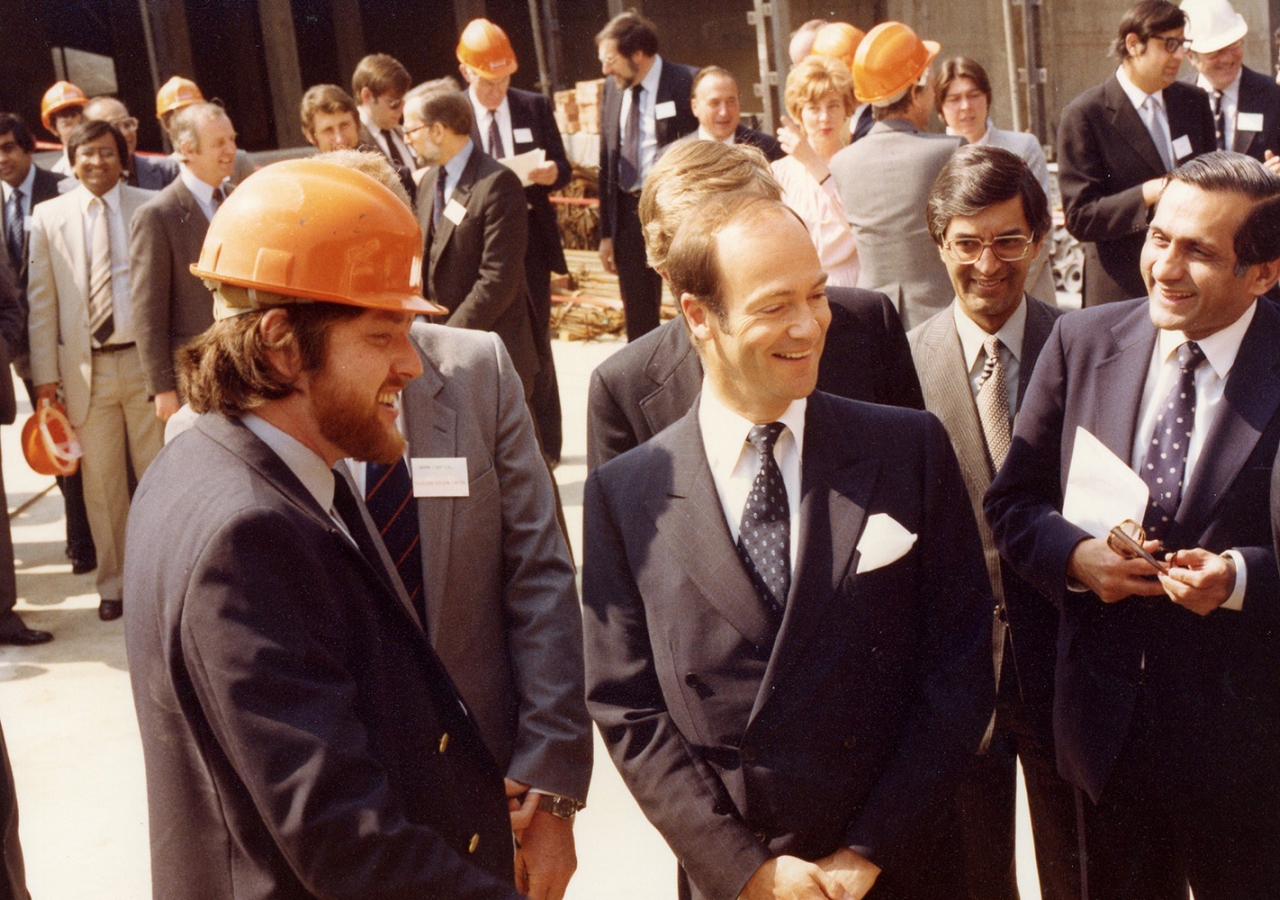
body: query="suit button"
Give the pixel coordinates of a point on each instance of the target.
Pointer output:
(692, 680)
(749, 754)
(762, 837)
(444, 742)
(475, 842)
(850, 742)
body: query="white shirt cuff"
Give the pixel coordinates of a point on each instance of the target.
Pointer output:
(1236, 600)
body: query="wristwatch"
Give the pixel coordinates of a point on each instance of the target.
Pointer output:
(560, 807)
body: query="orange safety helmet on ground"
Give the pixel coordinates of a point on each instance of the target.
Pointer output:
(176, 93)
(838, 40)
(486, 51)
(890, 59)
(63, 95)
(315, 230)
(49, 443)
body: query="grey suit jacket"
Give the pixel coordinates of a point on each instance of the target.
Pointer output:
(502, 609)
(944, 378)
(170, 305)
(884, 181)
(153, 172)
(58, 293)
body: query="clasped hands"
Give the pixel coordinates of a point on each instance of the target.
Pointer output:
(844, 875)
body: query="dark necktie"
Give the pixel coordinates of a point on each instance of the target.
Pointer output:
(496, 149)
(1166, 461)
(345, 505)
(764, 535)
(393, 151)
(13, 227)
(220, 194)
(1219, 121)
(993, 403)
(629, 160)
(438, 210)
(388, 493)
(864, 125)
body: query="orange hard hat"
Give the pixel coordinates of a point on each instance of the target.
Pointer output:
(839, 40)
(176, 93)
(485, 50)
(63, 95)
(890, 59)
(313, 229)
(49, 443)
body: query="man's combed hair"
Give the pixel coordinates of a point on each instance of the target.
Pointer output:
(978, 176)
(1257, 240)
(91, 130)
(1145, 19)
(381, 74)
(631, 32)
(328, 99)
(11, 123)
(228, 369)
(442, 101)
(184, 127)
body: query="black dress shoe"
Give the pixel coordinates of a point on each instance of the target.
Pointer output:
(83, 566)
(110, 609)
(26, 637)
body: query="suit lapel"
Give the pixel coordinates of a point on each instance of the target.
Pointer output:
(1117, 421)
(690, 517)
(73, 225)
(1129, 125)
(431, 429)
(1248, 100)
(461, 194)
(836, 487)
(673, 364)
(945, 378)
(1039, 324)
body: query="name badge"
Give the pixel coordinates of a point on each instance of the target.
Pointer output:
(1248, 121)
(523, 135)
(1181, 146)
(455, 212)
(444, 476)
(26, 222)
(665, 110)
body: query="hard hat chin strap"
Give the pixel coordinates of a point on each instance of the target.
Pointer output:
(230, 300)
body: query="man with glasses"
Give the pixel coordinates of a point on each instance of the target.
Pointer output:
(1117, 141)
(1166, 681)
(379, 85)
(152, 173)
(989, 217)
(1245, 103)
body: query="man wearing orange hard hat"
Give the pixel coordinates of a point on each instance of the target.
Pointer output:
(178, 93)
(840, 40)
(884, 179)
(268, 627)
(60, 110)
(512, 122)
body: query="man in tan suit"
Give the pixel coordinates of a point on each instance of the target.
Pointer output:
(82, 337)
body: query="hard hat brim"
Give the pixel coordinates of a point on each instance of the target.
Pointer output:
(389, 302)
(1216, 42)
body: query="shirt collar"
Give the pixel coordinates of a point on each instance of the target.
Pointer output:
(302, 461)
(1135, 94)
(1220, 348)
(1232, 90)
(705, 135)
(201, 190)
(27, 186)
(972, 336)
(724, 432)
(111, 198)
(986, 135)
(482, 111)
(453, 168)
(650, 81)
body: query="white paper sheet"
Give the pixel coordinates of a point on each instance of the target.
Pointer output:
(1102, 491)
(524, 163)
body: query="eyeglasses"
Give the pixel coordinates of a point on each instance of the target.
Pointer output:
(1172, 44)
(1126, 540)
(129, 124)
(409, 132)
(1007, 248)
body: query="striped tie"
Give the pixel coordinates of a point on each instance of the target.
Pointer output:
(389, 497)
(993, 403)
(101, 302)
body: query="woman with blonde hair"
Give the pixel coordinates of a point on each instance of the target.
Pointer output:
(819, 99)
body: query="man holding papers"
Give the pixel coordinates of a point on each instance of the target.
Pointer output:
(1166, 684)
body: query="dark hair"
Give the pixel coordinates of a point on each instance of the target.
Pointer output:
(91, 130)
(441, 101)
(227, 369)
(631, 32)
(960, 67)
(898, 107)
(978, 176)
(1257, 240)
(381, 74)
(708, 72)
(1146, 19)
(11, 123)
(328, 99)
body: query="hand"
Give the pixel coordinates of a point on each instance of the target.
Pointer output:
(797, 145)
(1199, 580)
(1109, 575)
(545, 174)
(1151, 190)
(521, 804)
(545, 857)
(46, 393)
(791, 878)
(1272, 162)
(606, 256)
(853, 871)
(166, 405)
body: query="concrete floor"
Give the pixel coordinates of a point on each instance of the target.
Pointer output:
(73, 740)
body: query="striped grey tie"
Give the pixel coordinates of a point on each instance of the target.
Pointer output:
(993, 403)
(101, 305)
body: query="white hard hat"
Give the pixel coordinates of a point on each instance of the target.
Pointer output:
(1213, 24)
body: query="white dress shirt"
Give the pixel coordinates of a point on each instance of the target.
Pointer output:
(28, 185)
(734, 462)
(704, 135)
(1138, 98)
(201, 190)
(1220, 349)
(376, 133)
(1230, 106)
(648, 120)
(1010, 335)
(122, 321)
(503, 114)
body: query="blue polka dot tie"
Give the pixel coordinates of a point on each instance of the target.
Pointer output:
(764, 535)
(1166, 461)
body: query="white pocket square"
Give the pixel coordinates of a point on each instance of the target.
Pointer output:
(883, 541)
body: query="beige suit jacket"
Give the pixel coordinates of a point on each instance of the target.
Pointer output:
(58, 295)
